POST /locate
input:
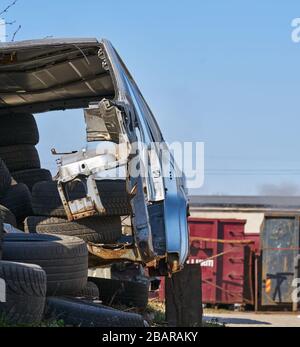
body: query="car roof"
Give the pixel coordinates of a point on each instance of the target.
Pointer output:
(52, 74)
(46, 42)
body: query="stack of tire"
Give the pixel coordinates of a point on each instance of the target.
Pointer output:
(130, 293)
(18, 137)
(42, 273)
(6, 216)
(128, 286)
(15, 200)
(20, 166)
(50, 216)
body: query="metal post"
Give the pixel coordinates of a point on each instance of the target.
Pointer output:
(296, 269)
(256, 282)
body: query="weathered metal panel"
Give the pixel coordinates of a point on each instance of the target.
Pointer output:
(201, 250)
(233, 265)
(227, 272)
(227, 267)
(280, 248)
(255, 246)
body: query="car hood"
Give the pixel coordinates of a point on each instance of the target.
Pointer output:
(52, 74)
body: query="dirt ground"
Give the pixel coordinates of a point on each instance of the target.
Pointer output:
(213, 318)
(251, 319)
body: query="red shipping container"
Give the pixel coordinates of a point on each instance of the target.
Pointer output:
(227, 267)
(227, 272)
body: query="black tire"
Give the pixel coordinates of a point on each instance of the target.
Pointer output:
(25, 292)
(81, 313)
(5, 178)
(18, 201)
(18, 129)
(129, 293)
(92, 229)
(7, 216)
(46, 200)
(64, 259)
(20, 157)
(31, 177)
(90, 291)
(114, 197)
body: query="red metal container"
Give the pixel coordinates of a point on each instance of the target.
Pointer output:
(227, 271)
(225, 254)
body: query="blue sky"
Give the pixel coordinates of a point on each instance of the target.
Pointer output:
(223, 72)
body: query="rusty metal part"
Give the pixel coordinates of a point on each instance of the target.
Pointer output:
(106, 254)
(175, 267)
(87, 208)
(84, 207)
(242, 242)
(227, 291)
(142, 232)
(173, 264)
(83, 215)
(215, 256)
(115, 252)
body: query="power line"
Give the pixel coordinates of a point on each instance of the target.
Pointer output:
(252, 172)
(8, 7)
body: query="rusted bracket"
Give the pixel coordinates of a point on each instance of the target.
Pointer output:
(85, 207)
(115, 253)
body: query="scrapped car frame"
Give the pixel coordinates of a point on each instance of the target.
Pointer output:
(158, 196)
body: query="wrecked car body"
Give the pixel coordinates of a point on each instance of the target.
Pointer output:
(47, 75)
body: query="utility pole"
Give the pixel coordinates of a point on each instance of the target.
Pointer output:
(2, 30)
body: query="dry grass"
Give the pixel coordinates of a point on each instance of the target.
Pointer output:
(44, 324)
(155, 313)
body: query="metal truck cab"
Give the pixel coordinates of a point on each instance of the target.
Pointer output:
(57, 74)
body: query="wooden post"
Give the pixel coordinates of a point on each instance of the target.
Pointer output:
(184, 297)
